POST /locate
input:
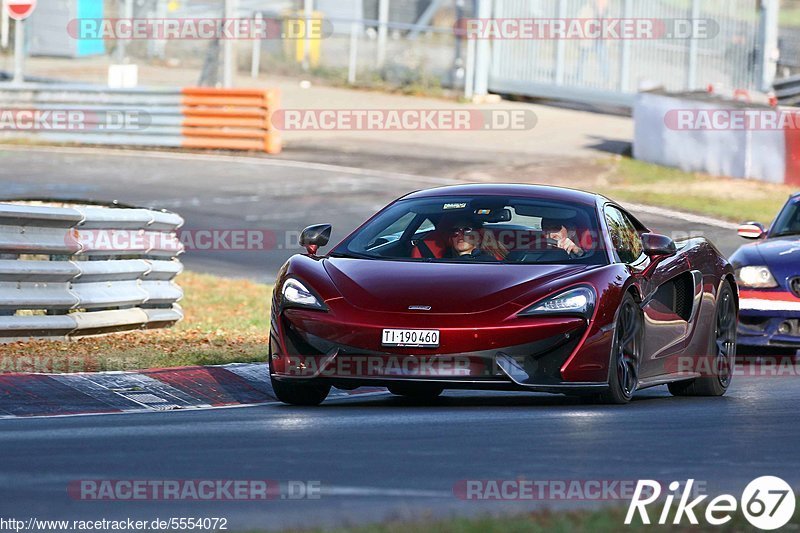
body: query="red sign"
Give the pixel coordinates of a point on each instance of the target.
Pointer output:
(20, 9)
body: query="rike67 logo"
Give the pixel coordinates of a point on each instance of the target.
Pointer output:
(768, 503)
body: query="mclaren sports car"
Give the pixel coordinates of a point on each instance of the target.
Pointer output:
(503, 287)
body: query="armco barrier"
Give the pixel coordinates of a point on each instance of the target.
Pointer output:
(198, 118)
(769, 154)
(61, 276)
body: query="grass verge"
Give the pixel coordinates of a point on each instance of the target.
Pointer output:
(225, 321)
(735, 200)
(597, 521)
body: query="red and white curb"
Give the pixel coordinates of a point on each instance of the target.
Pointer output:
(167, 389)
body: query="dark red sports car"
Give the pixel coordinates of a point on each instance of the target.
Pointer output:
(503, 287)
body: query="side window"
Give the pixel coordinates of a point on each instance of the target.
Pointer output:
(627, 241)
(425, 227)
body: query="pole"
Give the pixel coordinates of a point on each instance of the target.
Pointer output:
(768, 49)
(255, 68)
(625, 52)
(383, 31)
(308, 12)
(483, 52)
(469, 71)
(122, 44)
(229, 47)
(691, 62)
(352, 69)
(4, 27)
(19, 52)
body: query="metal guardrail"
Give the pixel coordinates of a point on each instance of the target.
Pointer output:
(85, 270)
(787, 90)
(198, 118)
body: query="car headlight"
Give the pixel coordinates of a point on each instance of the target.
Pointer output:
(757, 277)
(295, 293)
(579, 301)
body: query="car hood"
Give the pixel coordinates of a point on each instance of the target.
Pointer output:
(447, 288)
(781, 255)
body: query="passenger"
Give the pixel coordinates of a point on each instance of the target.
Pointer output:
(556, 230)
(465, 242)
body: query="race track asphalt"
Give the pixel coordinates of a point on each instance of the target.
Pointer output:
(375, 457)
(385, 457)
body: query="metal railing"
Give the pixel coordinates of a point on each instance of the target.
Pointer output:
(612, 71)
(82, 270)
(787, 90)
(199, 118)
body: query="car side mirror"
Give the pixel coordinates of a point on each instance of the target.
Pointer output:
(656, 245)
(752, 230)
(314, 237)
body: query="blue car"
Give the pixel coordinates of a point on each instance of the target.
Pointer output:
(768, 274)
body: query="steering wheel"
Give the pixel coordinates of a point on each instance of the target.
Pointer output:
(551, 243)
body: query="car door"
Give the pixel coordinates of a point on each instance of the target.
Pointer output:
(665, 289)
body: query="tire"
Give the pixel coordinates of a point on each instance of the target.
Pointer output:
(626, 352)
(304, 394)
(722, 346)
(415, 391)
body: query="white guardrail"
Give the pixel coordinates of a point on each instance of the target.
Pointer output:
(64, 273)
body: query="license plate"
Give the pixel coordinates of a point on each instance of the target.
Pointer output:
(418, 338)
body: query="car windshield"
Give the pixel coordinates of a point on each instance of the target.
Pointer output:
(788, 221)
(482, 229)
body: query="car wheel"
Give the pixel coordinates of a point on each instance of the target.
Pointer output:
(722, 348)
(417, 392)
(625, 354)
(304, 394)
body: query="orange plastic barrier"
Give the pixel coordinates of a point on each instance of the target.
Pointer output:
(230, 119)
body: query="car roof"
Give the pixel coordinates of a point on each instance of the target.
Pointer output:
(544, 192)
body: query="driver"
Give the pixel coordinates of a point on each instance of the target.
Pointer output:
(566, 239)
(464, 239)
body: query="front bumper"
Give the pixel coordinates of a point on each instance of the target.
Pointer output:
(305, 349)
(769, 319)
(511, 376)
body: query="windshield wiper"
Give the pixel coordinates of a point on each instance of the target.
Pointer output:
(344, 255)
